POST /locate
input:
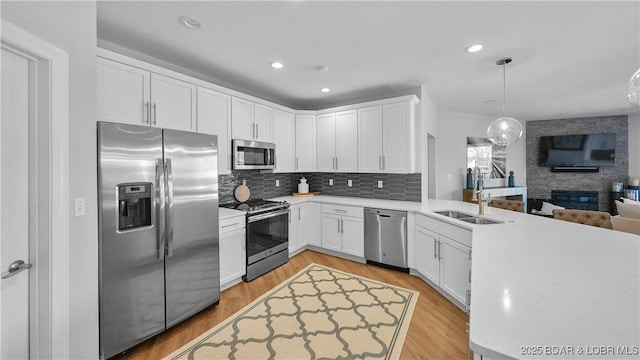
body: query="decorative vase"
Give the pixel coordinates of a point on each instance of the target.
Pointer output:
(512, 180)
(469, 179)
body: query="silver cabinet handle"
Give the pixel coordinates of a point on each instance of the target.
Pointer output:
(230, 225)
(340, 210)
(299, 214)
(439, 250)
(341, 226)
(469, 276)
(384, 161)
(147, 113)
(380, 162)
(257, 131)
(160, 208)
(435, 249)
(169, 212)
(296, 163)
(15, 268)
(155, 114)
(336, 163)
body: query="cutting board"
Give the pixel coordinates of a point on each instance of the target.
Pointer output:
(309, 194)
(242, 192)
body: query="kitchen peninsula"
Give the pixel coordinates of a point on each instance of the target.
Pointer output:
(537, 281)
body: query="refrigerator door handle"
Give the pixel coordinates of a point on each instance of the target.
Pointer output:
(169, 204)
(160, 209)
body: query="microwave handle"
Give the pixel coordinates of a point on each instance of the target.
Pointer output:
(268, 156)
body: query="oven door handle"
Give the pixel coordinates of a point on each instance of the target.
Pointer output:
(255, 218)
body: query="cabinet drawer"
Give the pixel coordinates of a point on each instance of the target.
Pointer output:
(343, 210)
(451, 231)
(232, 224)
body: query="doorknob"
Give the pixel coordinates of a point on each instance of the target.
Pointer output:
(16, 267)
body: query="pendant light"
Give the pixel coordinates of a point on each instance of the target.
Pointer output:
(633, 90)
(504, 130)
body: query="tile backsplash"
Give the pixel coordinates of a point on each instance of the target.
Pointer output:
(406, 187)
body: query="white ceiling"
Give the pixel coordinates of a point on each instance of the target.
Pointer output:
(570, 58)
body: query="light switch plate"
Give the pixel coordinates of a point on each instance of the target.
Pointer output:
(330, 182)
(380, 185)
(79, 207)
(349, 183)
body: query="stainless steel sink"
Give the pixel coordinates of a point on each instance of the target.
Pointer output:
(472, 219)
(454, 214)
(480, 221)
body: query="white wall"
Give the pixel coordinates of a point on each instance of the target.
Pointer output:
(428, 121)
(634, 145)
(451, 151)
(71, 26)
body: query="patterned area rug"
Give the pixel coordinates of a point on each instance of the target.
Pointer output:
(318, 313)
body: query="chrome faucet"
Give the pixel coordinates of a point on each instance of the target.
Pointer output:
(478, 196)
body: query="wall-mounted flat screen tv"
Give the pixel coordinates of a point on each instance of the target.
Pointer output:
(587, 150)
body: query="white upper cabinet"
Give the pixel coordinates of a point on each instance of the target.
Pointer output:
(370, 139)
(347, 141)
(284, 137)
(398, 138)
(305, 146)
(263, 122)
(173, 103)
(127, 94)
(326, 142)
(123, 93)
(251, 121)
(242, 126)
(214, 118)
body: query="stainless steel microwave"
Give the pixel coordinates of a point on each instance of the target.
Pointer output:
(253, 155)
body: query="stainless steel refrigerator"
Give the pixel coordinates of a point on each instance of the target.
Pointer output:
(158, 230)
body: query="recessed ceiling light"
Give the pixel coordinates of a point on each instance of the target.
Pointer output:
(190, 22)
(473, 48)
(276, 65)
(325, 90)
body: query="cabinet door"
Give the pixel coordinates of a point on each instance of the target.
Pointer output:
(352, 236)
(347, 141)
(331, 235)
(123, 93)
(314, 224)
(214, 118)
(455, 267)
(370, 139)
(426, 254)
(305, 143)
(173, 103)
(293, 228)
(284, 138)
(303, 224)
(263, 122)
(232, 255)
(395, 135)
(241, 119)
(326, 142)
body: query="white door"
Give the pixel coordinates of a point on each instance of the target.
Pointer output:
(455, 267)
(331, 232)
(263, 120)
(370, 139)
(294, 243)
(326, 142)
(347, 141)
(426, 254)
(284, 138)
(231, 255)
(314, 221)
(214, 118)
(352, 236)
(305, 143)
(122, 93)
(15, 164)
(173, 103)
(395, 132)
(242, 119)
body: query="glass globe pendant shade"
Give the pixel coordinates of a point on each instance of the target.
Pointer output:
(504, 131)
(633, 90)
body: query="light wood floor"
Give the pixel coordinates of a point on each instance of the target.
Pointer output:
(437, 330)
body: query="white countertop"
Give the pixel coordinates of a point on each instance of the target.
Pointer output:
(226, 213)
(542, 282)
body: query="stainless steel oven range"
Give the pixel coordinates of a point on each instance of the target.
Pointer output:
(267, 235)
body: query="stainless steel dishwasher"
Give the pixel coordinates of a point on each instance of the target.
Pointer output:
(385, 237)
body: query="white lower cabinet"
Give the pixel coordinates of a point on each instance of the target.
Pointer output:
(343, 229)
(314, 224)
(298, 227)
(443, 260)
(232, 250)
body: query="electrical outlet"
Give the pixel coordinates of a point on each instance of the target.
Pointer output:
(349, 183)
(277, 183)
(79, 207)
(330, 182)
(380, 185)
(449, 177)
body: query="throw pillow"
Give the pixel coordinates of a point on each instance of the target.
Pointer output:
(547, 208)
(628, 210)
